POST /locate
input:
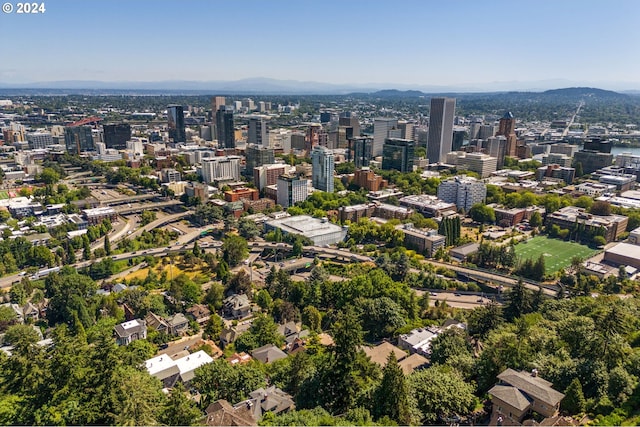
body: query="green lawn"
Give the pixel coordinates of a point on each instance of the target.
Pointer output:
(4, 194)
(557, 253)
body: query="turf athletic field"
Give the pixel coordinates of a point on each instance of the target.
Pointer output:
(4, 194)
(557, 253)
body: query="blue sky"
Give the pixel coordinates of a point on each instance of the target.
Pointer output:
(422, 42)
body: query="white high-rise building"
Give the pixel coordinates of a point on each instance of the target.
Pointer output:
(440, 129)
(136, 146)
(463, 191)
(221, 169)
(381, 128)
(322, 161)
(291, 189)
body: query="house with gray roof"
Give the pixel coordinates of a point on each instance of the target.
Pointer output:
(268, 353)
(518, 394)
(127, 332)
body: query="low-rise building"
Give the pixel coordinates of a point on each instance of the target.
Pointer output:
(127, 332)
(506, 217)
(613, 226)
(427, 205)
(623, 254)
(97, 215)
(367, 210)
(423, 241)
(319, 230)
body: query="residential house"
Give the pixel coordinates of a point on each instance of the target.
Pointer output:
(413, 363)
(221, 413)
(178, 324)
(271, 399)
(30, 311)
(518, 394)
(230, 334)
(237, 306)
(418, 340)
(292, 333)
(181, 367)
(156, 323)
(129, 331)
(200, 313)
(268, 353)
(239, 358)
(380, 353)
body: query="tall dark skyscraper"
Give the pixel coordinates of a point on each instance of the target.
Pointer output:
(507, 128)
(440, 128)
(175, 117)
(224, 128)
(117, 135)
(398, 154)
(78, 139)
(362, 151)
(257, 155)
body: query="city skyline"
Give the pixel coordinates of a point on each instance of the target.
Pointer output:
(489, 45)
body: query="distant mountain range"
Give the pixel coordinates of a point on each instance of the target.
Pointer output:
(269, 86)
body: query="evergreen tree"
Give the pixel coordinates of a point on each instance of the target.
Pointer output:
(107, 245)
(574, 401)
(392, 398)
(519, 301)
(179, 410)
(196, 250)
(86, 248)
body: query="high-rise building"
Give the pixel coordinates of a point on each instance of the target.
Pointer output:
(507, 128)
(486, 131)
(440, 128)
(216, 169)
(175, 118)
(257, 155)
(483, 164)
(225, 129)
(117, 135)
(322, 168)
(350, 119)
(267, 175)
(398, 154)
(78, 139)
(381, 128)
(463, 191)
(216, 102)
(39, 140)
(458, 138)
(497, 147)
(362, 151)
(257, 131)
(290, 190)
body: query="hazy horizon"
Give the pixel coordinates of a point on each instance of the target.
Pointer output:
(480, 46)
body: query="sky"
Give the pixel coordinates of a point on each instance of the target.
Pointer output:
(421, 42)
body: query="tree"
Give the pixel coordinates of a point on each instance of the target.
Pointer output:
(482, 213)
(574, 401)
(147, 217)
(483, 320)
(248, 228)
(107, 245)
(380, 317)
(519, 301)
(448, 344)
(179, 410)
(392, 397)
(49, 176)
(86, 251)
(441, 391)
(214, 326)
(234, 250)
(138, 397)
(7, 317)
(312, 318)
(535, 220)
(600, 208)
(221, 380)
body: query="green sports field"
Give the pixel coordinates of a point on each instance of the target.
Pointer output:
(557, 253)
(4, 194)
